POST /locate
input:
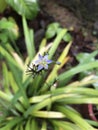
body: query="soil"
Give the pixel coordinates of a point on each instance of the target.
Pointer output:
(61, 14)
(65, 16)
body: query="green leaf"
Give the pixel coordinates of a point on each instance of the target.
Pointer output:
(21, 127)
(67, 37)
(27, 8)
(3, 37)
(17, 95)
(96, 84)
(48, 114)
(6, 78)
(18, 79)
(5, 96)
(55, 69)
(46, 102)
(29, 39)
(75, 118)
(17, 127)
(75, 99)
(65, 125)
(34, 124)
(86, 57)
(17, 73)
(52, 30)
(56, 42)
(13, 84)
(44, 125)
(93, 123)
(28, 125)
(10, 124)
(9, 28)
(3, 5)
(64, 77)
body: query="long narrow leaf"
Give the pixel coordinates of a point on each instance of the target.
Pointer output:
(48, 114)
(80, 68)
(34, 124)
(64, 125)
(56, 67)
(8, 57)
(6, 78)
(56, 42)
(28, 125)
(75, 118)
(28, 39)
(11, 123)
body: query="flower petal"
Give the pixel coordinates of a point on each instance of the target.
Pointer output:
(40, 57)
(46, 57)
(40, 67)
(37, 62)
(49, 61)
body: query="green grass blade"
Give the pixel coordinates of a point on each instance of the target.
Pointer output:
(93, 123)
(5, 96)
(45, 103)
(6, 78)
(13, 84)
(28, 125)
(64, 125)
(8, 57)
(32, 42)
(18, 79)
(86, 57)
(44, 125)
(80, 68)
(21, 127)
(17, 95)
(17, 127)
(34, 124)
(10, 124)
(56, 42)
(75, 118)
(29, 40)
(48, 114)
(52, 76)
(80, 100)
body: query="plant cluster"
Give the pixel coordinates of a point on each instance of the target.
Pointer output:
(34, 95)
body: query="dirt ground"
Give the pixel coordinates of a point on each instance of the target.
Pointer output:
(61, 14)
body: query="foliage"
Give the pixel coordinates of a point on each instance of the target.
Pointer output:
(3, 5)
(42, 99)
(87, 58)
(8, 30)
(34, 95)
(27, 8)
(53, 29)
